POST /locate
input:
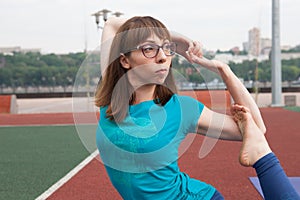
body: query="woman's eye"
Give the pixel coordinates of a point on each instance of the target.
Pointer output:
(167, 47)
(148, 48)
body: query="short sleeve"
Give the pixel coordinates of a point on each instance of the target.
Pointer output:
(191, 111)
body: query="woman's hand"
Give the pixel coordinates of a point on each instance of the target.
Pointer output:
(194, 51)
(186, 46)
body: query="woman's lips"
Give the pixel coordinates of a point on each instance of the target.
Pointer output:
(161, 71)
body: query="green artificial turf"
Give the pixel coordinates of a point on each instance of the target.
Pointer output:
(34, 158)
(293, 108)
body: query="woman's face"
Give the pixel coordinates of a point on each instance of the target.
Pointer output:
(143, 70)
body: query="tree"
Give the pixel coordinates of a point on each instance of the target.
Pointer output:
(290, 73)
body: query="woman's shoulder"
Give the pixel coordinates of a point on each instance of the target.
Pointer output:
(180, 100)
(184, 98)
(190, 107)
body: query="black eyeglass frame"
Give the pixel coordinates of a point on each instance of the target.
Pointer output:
(157, 47)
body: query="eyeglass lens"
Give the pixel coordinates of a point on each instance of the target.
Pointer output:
(151, 50)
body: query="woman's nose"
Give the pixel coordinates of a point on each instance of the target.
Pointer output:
(161, 56)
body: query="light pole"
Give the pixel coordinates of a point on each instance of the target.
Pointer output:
(99, 16)
(104, 13)
(276, 56)
(117, 14)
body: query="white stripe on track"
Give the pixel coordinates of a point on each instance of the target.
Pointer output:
(67, 177)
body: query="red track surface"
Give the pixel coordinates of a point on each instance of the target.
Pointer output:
(220, 168)
(46, 119)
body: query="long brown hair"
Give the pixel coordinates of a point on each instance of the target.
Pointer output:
(130, 34)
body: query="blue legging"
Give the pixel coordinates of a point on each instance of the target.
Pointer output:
(273, 180)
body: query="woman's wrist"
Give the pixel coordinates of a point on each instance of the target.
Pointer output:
(225, 72)
(223, 69)
(181, 42)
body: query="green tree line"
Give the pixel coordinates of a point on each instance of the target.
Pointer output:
(245, 70)
(35, 69)
(52, 70)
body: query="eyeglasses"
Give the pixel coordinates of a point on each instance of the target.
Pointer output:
(151, 50)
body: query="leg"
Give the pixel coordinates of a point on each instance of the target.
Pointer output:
(256, 152)
(217, 196)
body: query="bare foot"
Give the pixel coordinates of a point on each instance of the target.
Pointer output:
(255, 145)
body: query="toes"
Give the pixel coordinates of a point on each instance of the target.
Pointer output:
(237, 108)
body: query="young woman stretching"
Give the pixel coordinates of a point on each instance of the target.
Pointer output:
(142, 118)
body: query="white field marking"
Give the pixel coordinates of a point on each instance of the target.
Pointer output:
(67, 177)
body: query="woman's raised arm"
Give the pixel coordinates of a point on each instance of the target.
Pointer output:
(235, 87)
(110, 29)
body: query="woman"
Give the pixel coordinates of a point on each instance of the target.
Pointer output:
(143, 119)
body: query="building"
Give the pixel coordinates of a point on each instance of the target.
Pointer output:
(246, 46)
(265, 46)
(256, 45)
(235, 50)
(254, 42)
(288, 56)
(18, 49)
(237, 59)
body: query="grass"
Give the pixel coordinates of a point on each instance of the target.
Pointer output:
(34, 158)
(293, 108)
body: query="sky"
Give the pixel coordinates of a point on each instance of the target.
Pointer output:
(63, 26)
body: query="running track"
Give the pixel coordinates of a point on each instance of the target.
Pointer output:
(220, 168)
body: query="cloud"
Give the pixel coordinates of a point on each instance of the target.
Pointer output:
(60, 25)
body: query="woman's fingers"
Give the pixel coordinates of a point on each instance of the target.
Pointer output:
(195, 48)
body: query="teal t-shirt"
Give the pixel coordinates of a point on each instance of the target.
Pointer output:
(140, 153)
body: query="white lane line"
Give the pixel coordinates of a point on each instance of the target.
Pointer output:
(67, 177)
